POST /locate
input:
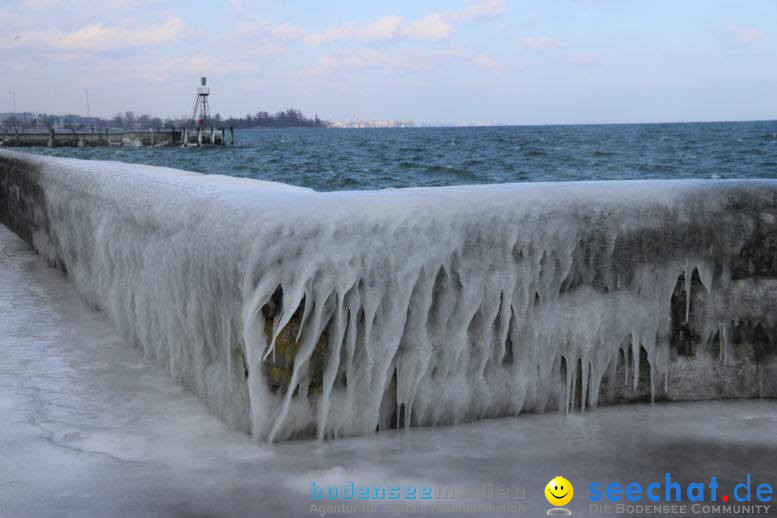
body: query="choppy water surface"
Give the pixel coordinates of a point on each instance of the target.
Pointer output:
(336, 159)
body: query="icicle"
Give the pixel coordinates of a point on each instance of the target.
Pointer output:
(635, 351)
(725, 275)
(652, 384)
(313, 331)
(705, 270)
(626, 364)
(571, 370)
(667, 355)
(337, 333)
(612, 367)
(687, 277)
(593, 391)
(584, 391)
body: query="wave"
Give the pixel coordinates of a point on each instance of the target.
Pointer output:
(450, 172)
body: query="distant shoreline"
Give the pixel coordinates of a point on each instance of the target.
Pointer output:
(559, 125)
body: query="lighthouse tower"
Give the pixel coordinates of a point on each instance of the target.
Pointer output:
(201, 111)
(202, 135)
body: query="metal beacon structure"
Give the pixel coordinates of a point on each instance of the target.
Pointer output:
(201, 134)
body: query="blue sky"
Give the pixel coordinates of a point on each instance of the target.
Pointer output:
(437, 61)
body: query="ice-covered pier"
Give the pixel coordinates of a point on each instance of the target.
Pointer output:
(185, 137)
(297, 313)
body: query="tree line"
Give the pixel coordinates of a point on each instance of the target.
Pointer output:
(130, 121)
(281, 119)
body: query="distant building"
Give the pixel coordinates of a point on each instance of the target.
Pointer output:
(75, 122)
(21, 120)
(19, 116)
(372, 123)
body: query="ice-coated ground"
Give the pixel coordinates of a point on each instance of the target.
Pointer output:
(90, 428)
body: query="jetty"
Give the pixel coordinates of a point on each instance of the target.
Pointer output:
(194, 134)
(183, 137)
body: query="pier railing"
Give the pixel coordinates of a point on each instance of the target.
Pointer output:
(185, 137)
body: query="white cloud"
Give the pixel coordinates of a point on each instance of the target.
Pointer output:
(383, 29)
(486, 9)
(156, 70)
(263, 49)
(434, 26)
(538, 42)
(98, 37)
(440, 25)
(82, 4)
(348, 61)
(131, 4)
(393, 61)
(386, 28)
(205, 64)
(340, 32)
(431, 27)
(288, 32)
(336, 63)
(485, 61)
(37, 4)
(747, 34)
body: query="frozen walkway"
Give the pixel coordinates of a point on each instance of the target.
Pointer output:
(89, 428)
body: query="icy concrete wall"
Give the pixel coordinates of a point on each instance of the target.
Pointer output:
(293, 313)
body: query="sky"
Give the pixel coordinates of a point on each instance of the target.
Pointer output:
(431, 61)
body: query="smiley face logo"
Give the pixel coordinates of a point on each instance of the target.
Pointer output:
(559, 491)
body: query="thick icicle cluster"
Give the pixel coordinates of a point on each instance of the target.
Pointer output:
(293, 312)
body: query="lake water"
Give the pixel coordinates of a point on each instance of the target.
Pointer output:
(337, 159)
